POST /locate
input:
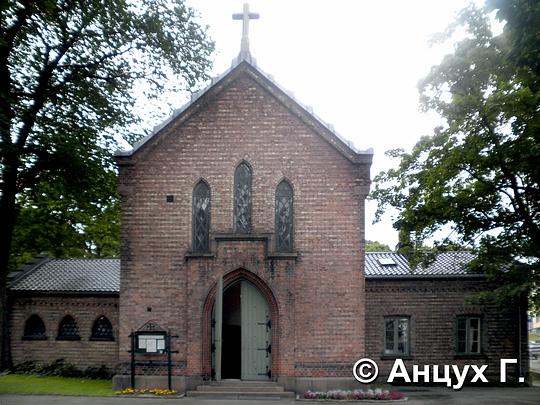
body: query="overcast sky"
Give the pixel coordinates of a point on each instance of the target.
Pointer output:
(357, 63)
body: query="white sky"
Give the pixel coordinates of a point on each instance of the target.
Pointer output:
(356, 63)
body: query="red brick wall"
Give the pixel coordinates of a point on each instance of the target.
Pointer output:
(433, 306)
(320, 296)
(51, 309)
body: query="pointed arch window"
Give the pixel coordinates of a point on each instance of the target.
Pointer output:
(102, 329)
(201, 218)
(284, 217)
(242, 198)
(34, 328)
(68, 329)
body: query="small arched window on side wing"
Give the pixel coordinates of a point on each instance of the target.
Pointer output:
(102, 329)
(68, 329)
(34, 328)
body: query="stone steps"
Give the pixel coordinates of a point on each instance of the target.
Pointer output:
(236, 389)
(217, 388)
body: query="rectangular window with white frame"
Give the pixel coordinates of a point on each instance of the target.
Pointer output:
(468, 335)
(396, 336)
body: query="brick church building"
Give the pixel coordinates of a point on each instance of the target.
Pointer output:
(242, 252)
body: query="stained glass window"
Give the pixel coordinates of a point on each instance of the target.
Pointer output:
(102, 329)
(242, 198)
(201, 217)
(68, 329)
(34, 328)
(284, 217)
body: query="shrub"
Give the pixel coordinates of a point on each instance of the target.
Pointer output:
(60, 368)
(98, 373)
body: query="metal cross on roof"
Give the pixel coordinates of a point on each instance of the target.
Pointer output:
(245, 16)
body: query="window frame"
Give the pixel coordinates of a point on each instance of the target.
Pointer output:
(469, 340)
(279, 247)
(68, 337)
(93, 337)
(42, 336)
(249, 205)
(395, 339)
(194, 246)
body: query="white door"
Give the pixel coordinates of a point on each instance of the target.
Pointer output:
(256, 334)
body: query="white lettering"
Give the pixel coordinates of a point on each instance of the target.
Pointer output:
(446, 378)
(417, 373)
(460, 377)
(479, 373)
(504, 362)
(398, 364)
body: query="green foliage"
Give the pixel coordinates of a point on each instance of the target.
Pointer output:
(68, 72)
(374, 246)
(53, 218)
(478, 174)
(60, 368)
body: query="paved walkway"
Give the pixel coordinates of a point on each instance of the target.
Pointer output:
(417, 396)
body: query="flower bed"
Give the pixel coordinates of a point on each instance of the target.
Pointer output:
(152, 391)
(356, 395)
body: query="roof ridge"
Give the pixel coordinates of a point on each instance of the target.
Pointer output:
(23, 273)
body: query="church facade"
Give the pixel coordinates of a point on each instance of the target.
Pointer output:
(245, 187)
(243, 258)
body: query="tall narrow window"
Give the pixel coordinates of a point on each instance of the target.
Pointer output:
(242, 198)
(68, 329)
(468, 335)
(34, 328)
(102, 329)
(201, 217)
(284, 217)
(396, 336)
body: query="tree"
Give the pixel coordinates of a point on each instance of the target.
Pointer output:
(374, 246)
(477, 176)
(53, 218)
(67, 74)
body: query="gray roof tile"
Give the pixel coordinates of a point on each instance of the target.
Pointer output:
(445, 264)
(103, 275)
(70, 275)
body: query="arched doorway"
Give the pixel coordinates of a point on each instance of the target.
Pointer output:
(246, 343)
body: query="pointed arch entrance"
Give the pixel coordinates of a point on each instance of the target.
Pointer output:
(249, 322)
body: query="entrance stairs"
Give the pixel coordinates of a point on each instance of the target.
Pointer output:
(237, 389)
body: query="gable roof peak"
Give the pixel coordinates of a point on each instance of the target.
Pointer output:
(246, 63)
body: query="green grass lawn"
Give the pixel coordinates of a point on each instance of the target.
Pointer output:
(534, 337)
(33, 384)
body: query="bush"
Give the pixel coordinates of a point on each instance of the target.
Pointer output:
(60, 368)
(98, 373)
